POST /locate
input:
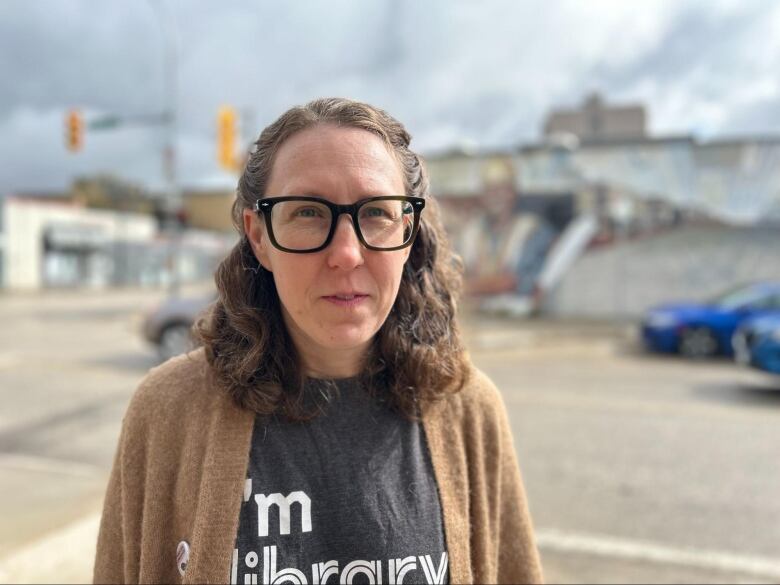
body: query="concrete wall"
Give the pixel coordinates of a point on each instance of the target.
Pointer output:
(688, 263)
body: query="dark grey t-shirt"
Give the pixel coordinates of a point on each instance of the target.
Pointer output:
(349, 497)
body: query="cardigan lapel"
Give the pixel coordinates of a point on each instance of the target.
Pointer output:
(229, 432)
(449, 465)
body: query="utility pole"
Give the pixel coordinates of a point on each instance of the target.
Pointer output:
(172, 203)
(247, 130)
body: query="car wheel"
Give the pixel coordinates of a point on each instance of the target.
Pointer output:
(698, 342)
(174, 340)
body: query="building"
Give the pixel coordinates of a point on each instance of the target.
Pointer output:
(209, 209)
(59, 243)
(597, 121)
(46, 244)
(458, 179)
(668, 215)
(735, 180)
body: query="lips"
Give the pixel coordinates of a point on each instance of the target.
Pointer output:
(346, 299)
(346, 296)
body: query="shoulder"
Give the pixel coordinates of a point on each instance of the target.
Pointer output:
(180, 386)
(470, 431)
(479, 402)
(480, 391)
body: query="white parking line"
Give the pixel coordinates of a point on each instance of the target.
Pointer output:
(69, 554)
(610, 546)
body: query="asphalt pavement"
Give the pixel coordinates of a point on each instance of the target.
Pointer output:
(638, 468)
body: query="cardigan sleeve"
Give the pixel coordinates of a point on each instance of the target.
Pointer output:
(503, 548)
(487, 523)
(110, 555)
(119, 545)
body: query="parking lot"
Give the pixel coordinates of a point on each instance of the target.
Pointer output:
(638, 468)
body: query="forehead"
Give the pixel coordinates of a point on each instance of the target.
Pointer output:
(336, 162)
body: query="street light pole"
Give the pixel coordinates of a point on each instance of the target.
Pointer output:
(173, 201)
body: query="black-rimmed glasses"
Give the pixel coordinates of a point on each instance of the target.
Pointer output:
(302, 224)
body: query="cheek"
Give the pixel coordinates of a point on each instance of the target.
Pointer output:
(390, 274)
(292, 279)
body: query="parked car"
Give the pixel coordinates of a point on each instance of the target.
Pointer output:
(757, 343)
(705, 329)
(168, 324)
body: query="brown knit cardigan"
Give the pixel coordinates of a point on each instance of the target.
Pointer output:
(181, 463)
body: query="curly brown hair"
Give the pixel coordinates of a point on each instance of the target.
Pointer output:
(417, 356)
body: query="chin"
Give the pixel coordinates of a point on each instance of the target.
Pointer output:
(347, 337)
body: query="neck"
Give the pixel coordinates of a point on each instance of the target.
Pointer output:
(331, 365)
(318, 361)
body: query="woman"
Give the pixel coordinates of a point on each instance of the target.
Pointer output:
(331, 428)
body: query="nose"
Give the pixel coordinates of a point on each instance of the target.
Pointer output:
(345, 250)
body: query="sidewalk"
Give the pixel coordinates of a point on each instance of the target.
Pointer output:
(64, 556)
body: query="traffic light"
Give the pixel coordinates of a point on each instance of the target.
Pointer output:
(226, 137)
(74, 131)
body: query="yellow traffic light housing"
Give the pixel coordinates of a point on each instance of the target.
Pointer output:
(74, 131)
(226, 138)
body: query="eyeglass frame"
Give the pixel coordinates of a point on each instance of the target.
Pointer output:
(265, 206)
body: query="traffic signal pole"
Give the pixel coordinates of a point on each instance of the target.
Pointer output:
(173, 201)
(228, 135)
(171, 204)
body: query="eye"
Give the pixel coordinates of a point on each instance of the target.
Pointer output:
(308, 212)
(381, 210)
(375, 212)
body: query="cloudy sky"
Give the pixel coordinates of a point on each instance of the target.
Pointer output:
(455, 72)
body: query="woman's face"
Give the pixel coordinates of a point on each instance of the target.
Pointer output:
(342, 165)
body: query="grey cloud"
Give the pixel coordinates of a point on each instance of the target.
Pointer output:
(762, 117)
(94, 54)
(704, 52)
(451, 71)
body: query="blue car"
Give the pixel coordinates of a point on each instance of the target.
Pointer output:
(706, 329)
(757, 343)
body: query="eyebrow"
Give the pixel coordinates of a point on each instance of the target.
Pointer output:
(318, 193)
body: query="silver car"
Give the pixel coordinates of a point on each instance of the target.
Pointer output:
(168, 325)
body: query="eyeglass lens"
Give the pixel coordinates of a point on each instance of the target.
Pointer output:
(303, 225)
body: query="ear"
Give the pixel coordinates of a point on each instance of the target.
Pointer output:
(254, 228)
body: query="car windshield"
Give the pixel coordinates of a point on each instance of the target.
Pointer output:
(736, 297)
